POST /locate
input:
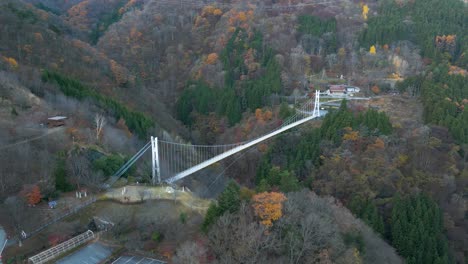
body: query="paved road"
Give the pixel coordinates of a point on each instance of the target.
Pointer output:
(91, 254)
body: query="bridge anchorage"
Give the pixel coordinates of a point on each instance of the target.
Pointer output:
(176, 161)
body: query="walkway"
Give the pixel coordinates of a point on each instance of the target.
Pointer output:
(135, 194)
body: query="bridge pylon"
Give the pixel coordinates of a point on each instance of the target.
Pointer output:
(156, 169)
(316, 112)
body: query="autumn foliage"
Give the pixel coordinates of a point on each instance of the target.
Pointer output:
(375, 89)
(56, 239)
(258, 114)
(211, 10)
(240, 18)
(32, 194)
(378, 144)
(262, 116)
(11, 62)
(119, 72)
(457, 70)
(446, 43)
(385, 47)
(350, 134)
(365, 11)
(268, 206)
(212, 58)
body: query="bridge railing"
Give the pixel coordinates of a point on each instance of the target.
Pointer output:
(235, 150)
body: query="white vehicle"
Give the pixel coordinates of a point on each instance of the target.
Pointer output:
(352, 89)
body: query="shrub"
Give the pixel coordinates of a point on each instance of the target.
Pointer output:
(183, 217)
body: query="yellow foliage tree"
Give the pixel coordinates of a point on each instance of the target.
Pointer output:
(268, 206)
(217, 12)
(341, 52)
(208, 10)
(242, 16)
(336, 158)
(12, 62)
(402, 159)
(451, 39)
(372, 50)
(365, 11)
(350, 134)
(212, 58)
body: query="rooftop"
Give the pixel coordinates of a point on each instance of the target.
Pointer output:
(56, 118)
(135, 259)
(337, 87)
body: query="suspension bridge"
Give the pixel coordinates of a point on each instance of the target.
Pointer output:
(172, 161)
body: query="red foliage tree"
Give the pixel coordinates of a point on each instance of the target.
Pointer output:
(32, 194)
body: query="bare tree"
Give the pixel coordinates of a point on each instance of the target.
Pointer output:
(120, 216)
(190, 252)
(16, 209)
(238, 238)
(80, 171)
(308, 226)
(100, 122)
(78, 167)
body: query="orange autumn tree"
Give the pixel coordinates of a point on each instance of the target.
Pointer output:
(378, 144)
(259, 114)
(268, 206)
(446, 43)
(375, 89)
(267, 115)
(32, 194)
(212, 58)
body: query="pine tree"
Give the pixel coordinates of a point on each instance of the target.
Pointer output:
(211, 216)
(288, 182)
(415, 233)
(229, 200)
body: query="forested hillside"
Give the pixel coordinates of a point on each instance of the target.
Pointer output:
(221, 72)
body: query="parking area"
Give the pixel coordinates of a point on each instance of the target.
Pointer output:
(91, 254)
(136, 260)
